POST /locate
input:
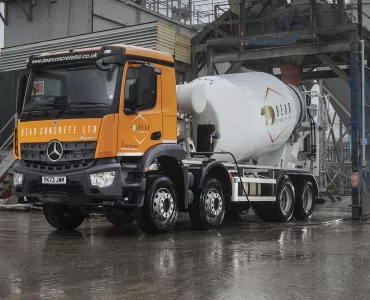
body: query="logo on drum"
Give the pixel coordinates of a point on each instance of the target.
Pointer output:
(269, 114)
(277, 113)
(54, 151)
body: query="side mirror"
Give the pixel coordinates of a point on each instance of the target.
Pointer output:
(146, 86)
(21, 91)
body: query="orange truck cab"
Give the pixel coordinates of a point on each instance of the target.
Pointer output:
(94, 125)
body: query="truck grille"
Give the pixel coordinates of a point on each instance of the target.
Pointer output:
(76, 155)
(70, 188)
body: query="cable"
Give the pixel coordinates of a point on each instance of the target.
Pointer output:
(245, 192)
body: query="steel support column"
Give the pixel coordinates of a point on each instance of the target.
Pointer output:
(215, 70)
(209, 61)
(355, 84)
(341, 157)
(322, 137)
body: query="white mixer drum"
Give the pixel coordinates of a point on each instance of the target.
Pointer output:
(255, 113)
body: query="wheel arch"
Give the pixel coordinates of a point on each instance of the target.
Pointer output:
(173, 151)
(170, 159)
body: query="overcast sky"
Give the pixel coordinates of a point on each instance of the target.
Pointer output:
(1, 27)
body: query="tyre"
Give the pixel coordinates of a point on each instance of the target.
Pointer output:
(304, 201)
(208, 209)
(159, 212)
(120, 218)
(63, 216)
(282, 209)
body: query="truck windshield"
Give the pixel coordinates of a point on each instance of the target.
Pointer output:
(86, 85)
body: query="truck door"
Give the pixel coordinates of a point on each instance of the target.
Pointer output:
(139, 130)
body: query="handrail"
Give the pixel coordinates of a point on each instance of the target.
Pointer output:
(5, 146)
(11, 119)
(7, 143)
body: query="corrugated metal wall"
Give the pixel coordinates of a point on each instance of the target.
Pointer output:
(178, 45)
(8, 89)
(144, 35)
(183, 48)
(154, 35)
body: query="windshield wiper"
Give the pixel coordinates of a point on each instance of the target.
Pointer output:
(38, 105)
(71, 104)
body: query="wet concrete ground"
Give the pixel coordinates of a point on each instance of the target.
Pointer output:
(240, 261)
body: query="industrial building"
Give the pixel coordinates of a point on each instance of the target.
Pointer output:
(320, 45)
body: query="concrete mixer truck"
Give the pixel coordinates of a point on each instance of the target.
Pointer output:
(107, 130)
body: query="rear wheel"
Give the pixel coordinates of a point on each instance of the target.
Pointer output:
(208, 209)
(282, 209)
(304, 201)
(159, 212)
(63, 216)
(120, 218)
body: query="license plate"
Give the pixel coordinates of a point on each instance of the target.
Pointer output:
(54, 180)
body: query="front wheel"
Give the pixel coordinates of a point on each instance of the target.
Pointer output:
(63, 216)
(159, 212)
(208, 209)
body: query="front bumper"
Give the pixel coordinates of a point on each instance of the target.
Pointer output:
(78, 189)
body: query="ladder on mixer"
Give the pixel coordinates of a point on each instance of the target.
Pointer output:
(7, 160)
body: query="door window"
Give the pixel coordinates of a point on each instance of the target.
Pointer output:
(131, 89)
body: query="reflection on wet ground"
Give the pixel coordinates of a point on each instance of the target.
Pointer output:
(242, 260)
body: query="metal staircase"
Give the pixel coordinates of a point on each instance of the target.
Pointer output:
(7, 160)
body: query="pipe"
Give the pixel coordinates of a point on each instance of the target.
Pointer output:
(363, 101)
(321, 122)
(359, 10)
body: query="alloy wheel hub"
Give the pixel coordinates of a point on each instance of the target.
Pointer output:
(213, 203)
(163, 205)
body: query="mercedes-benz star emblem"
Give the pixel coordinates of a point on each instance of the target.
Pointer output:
(54, 150)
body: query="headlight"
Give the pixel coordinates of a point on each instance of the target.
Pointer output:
(17, 179)
(103, 179)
